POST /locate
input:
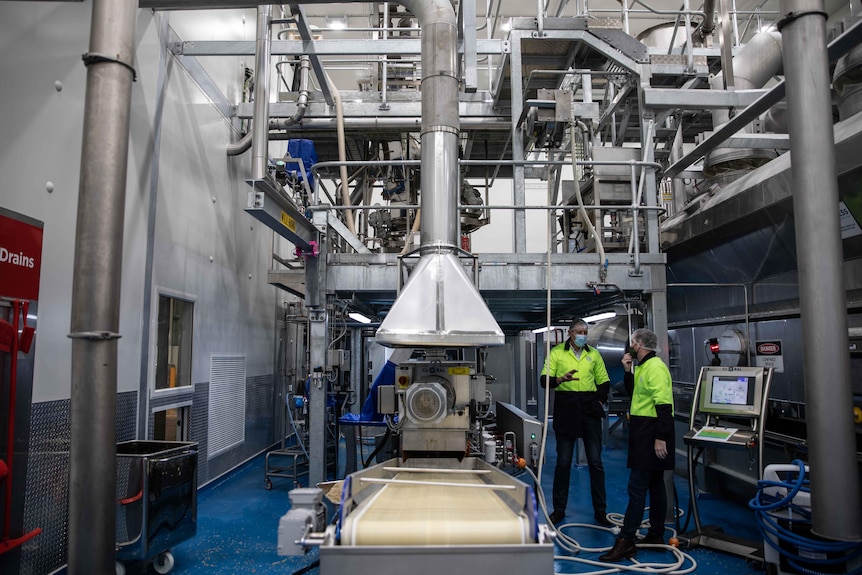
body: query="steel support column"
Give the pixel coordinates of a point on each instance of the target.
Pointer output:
(95, 318)
(519, 217)
(835, 501)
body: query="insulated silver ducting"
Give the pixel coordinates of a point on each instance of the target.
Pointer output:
(847, 82)
(755, 64)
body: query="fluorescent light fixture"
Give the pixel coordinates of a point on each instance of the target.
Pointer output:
(600, 316)
(336, 23)
(546, 328)
(358, 317)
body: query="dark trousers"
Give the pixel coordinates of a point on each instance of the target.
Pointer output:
(641, 482)
(592, 430)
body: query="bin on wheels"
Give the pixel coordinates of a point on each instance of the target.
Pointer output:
(156, 500)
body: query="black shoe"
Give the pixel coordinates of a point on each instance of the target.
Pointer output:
(602, 519)
(622, 549)
(652, 539)
(557, 517)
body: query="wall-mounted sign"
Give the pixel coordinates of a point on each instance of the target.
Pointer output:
(20, 255)
(769, 354)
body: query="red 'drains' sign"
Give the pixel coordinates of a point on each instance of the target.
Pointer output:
(20, 255)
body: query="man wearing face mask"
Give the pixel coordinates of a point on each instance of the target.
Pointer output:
(577, 372)
(651, 444)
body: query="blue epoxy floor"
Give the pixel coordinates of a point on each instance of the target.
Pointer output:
(238, 522)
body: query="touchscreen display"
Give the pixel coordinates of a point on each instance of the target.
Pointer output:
(729, 390)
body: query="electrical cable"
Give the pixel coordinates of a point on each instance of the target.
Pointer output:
(313, 565)
(377, 449)
(296, 432)
(688, 514)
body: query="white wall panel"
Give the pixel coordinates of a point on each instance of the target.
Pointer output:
(42, 44)
(40, 49)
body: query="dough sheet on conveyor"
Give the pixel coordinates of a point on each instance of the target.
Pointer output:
(415, 514)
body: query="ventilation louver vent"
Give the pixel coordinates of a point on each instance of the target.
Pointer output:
(226, 403)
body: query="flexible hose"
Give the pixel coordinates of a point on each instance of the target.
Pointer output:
(417, 222)
(544, 442)
(600, 248)
(769, 508)
(569, 544)
(342, 154)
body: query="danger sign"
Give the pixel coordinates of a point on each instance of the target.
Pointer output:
(769, 354)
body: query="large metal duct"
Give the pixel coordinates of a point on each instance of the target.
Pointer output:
(611, 338)
(439, 305)
(754, 65)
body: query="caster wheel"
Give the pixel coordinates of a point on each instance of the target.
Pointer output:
(267, 484)
(120, 568)
(164, 563)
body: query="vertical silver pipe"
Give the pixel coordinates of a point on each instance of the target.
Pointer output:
(540, 13)
(519, 217)
(708, 24)
(384, 70)
(440, 129)
(489, 33)
(95, 314)
(625, 10)
(736, 39)
(835, 501)
(260, 120)
(689, 47)
(725, 46)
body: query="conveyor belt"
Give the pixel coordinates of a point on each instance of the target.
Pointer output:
(410, 510)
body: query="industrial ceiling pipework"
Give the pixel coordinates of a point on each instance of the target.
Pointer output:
(755, 64)
(439, 305)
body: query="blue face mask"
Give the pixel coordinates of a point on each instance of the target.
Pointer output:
(580, 340)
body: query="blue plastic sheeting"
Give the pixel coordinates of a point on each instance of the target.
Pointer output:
(300, 149)
(369, 415)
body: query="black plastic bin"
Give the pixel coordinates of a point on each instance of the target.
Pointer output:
(156, 500)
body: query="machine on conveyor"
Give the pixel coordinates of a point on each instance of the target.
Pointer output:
(436, 508)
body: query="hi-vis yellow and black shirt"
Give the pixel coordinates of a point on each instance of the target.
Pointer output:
(581, 397)
(651, 414)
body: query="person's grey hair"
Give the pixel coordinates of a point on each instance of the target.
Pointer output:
(576, 322)
(646, 338)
